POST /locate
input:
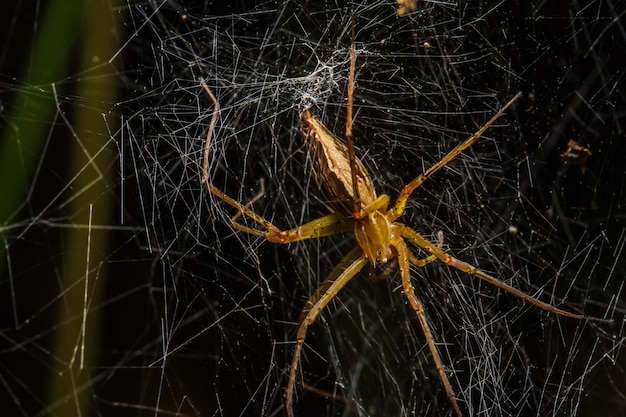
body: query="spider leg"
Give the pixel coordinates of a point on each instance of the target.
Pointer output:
(207, 143)
(241, 227)
(324, 226)
(420, 263)
(397, 210)
(352, 263)
(356, 209)
(409, 291)
(420, 241)
(216, 191)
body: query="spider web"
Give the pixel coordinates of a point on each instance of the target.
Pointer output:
(169, 310)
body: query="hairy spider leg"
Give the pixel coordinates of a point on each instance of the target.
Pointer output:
(349, 266)
(398, 209)
(356, 209)
(448, 259)
(409, 291)
(243, 209)
(320, 227)
(420, 263)
(324, 226)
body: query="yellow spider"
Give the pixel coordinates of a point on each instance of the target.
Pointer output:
(347, 186)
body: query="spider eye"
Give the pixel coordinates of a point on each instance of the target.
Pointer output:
(380, 259)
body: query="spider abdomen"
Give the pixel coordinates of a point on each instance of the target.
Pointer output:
(331, 166)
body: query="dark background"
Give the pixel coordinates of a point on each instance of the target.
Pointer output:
(187, 317)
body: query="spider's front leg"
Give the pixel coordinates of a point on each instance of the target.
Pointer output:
(324, 226)
(398, 209)
(328, 225)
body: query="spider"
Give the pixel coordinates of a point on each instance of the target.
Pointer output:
(348, 187)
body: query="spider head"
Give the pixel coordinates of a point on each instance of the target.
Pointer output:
(373, 233)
